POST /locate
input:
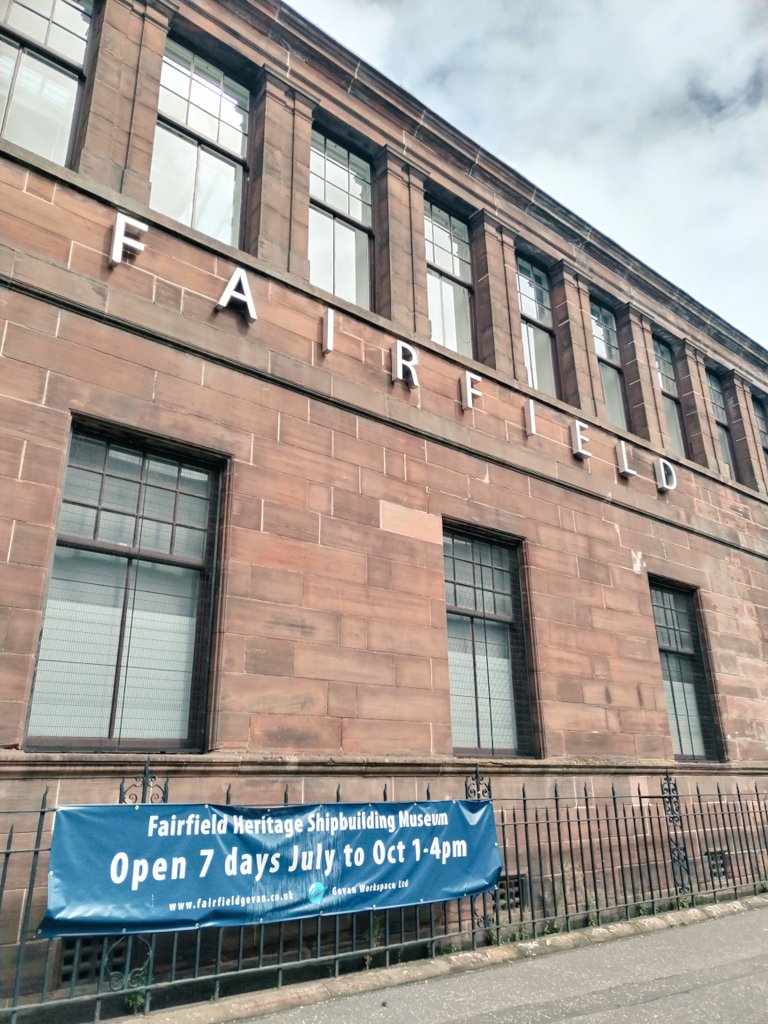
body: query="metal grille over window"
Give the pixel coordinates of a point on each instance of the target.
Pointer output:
(538, 338)
(42, 48)
(667, 381)
(611, 373)
(200, 145)
(722, 422)
(340, 219)
(449, 279)
(689, 703)
(124, 636)
(490, 700)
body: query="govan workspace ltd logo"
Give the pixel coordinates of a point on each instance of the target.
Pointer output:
(316, 892)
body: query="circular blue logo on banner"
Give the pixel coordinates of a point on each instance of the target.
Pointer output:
(316, 892)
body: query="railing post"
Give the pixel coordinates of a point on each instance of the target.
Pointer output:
(24, 931)
(678, 854)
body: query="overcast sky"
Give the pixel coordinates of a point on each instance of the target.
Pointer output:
(648, 118)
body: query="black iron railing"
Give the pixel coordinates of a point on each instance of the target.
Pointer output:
(567, 863)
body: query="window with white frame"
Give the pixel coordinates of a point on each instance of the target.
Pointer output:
(487, 661)
(667, 381)
(42, 50)
(608, 354)
(538, 332)
(198, 159)
(123, 654)
(449, 279)
(689, 703)
(717, 398)
(340, 221)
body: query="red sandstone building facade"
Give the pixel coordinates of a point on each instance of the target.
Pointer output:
(332, 450)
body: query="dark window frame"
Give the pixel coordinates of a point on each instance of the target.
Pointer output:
(206, 567)
(683, 604)
(522, 694)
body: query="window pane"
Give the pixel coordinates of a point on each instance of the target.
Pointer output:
(604, 333)
(539, 359)
(82, 485)
(116, 529)
(498, 730)
(217, 198)
(154, 536)
(77, 521)
(41, 108)
(8, 55)
(87, 451)
(726, 453)
(341, 179)
(162, 472)
(120, 494)
(172, 179)
(665, 367)
(674, 417)
(189, 543)
(447, 242)
(456, 317)
(716, 396)
(321, 249)
(682, 706)
(192, 511)
(449, 313)
(613, 391)
(195, 481)
(435, 305)
(156, 670)
(461, 669)
(158, 502)
(75, 675)
(123, 462)
(198, 95)
(533, 291)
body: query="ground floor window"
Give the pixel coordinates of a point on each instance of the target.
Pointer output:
(123, 652)
(490, 689)
(690, 707)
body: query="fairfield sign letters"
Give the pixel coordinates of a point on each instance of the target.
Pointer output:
(404, 357)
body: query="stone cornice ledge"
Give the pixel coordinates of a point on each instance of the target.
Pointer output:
(24, 765)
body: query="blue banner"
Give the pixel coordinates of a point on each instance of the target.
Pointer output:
(149, 867)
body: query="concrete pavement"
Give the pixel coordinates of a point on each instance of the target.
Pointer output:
(662, 972)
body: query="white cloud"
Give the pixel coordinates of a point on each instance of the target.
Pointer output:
(648, 118)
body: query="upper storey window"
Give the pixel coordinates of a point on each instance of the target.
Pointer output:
(198, 161)
(717, 398)
(611, 373)
(449, 279)
(667, 380)
(340, 218)
(761, 414)
(538, 336)
(42, 48)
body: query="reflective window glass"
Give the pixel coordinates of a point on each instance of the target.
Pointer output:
(124, 626)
